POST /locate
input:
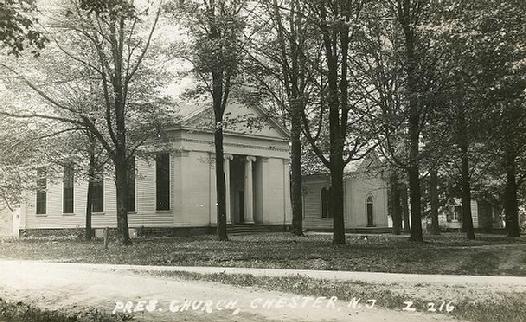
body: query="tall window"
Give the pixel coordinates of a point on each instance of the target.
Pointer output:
(325, 203)
(67, 206)
(131, 186)
(162, 181)
(41, 191)
(369, 206)
(97, 202)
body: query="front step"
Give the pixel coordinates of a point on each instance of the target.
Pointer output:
(246, 229)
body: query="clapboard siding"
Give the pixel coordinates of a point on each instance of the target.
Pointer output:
(274, 190)
(356, 190)
(145, 204)
(192, 187)
(474, 213)
(312, 203)
(195, 184)
(145, 186)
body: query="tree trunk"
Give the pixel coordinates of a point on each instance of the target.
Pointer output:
(395, 206)
(220, 180)
(87, 230)
(221, 83)
(414, 172)
(433, 196)
(91, 174)
(414, 127)
(297, 213)
(511, 209)
(121, 153)
(416, 210)
(414, 169)
(121, 185)
(467, 219)
(336, 46)
(405, 208)
(337, 203)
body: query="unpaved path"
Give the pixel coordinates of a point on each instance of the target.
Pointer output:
(495, 283)
(70, 286)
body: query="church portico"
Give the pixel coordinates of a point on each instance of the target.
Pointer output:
(241, 195)
(249, 190)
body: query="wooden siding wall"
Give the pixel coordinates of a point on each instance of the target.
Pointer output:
(475, 213)
(275, 196)
(146, 214)
(6, 222)
(356, 190)
(196, 183)
(312, 203)
(192, 196)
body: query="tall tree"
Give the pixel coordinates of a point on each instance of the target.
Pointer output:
(433, 196)
(110, 39)
(487, 46)
(409, 14)
(217, 30)
(501, 37)
(294, 76)
(281, 63)
(338, 27)
(394, 202)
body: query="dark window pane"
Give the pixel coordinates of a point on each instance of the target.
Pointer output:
(97, 202)
(131, 185)
(41, 191)
(162, 181)
(324, 203)
(68, 189)
(370, 211)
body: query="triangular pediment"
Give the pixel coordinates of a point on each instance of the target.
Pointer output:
(238, 119)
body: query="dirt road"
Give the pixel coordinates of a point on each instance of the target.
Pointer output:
(73, 286)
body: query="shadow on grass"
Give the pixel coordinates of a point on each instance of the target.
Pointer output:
(445, 254)
(21, 312)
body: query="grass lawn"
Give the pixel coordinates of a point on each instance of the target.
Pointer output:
(21, 312)
(446, 254)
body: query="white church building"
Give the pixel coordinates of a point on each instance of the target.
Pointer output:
(175, 190)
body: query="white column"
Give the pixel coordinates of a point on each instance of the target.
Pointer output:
(249, 193)
(228, 157)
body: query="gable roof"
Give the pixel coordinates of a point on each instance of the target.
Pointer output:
(239, 118)
(369, 164)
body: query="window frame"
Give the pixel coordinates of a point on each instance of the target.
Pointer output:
(41, 192)
(69, 169)
(369, 200)
(326, 209)
(98, 183)
(162, 200)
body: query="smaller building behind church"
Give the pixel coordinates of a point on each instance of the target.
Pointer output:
(486, 216)
(365, 198)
